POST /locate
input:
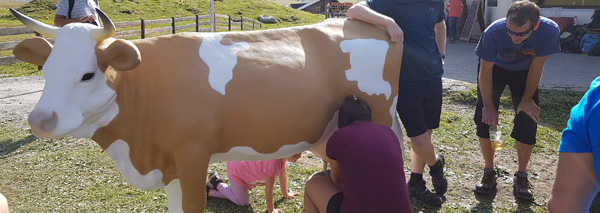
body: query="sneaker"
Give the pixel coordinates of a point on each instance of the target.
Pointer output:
(208, 189)
(420, 192)
(440, 184)
(213, 180)
(521, 187)
(488, 182)
(452, 40)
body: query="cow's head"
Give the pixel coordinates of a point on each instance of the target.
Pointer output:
(76, 98)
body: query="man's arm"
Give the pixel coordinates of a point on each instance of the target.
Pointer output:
(363, 12)
(60, 20)
(440, 37)
(489, 112)
(534, 76)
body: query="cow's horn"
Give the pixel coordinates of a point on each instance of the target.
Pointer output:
(35, 25)
(107, 31)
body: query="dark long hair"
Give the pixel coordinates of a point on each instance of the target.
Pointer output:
(353, 109)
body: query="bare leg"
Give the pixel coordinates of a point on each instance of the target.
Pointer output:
(575, 185)
(317, 193)
(487, 152)
(524, 154)
(422, 152)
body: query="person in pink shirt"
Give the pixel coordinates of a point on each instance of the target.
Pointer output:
(245, 175)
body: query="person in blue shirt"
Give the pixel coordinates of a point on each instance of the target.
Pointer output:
(420, 25)
(512, 51)
(578, 171)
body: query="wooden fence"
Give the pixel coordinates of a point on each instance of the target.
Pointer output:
(222, 22)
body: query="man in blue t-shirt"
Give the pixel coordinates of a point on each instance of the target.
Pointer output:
(420, 25)
(578, 171)
(512, 51)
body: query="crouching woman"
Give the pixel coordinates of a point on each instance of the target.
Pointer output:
(367, 170)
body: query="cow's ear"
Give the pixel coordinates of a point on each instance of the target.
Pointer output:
(120, 54)
(33, 50)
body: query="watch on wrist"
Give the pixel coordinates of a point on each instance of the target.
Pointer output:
(442, 55)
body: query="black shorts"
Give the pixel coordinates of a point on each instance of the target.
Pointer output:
(335, 203)
(525, 128)
(419, 107)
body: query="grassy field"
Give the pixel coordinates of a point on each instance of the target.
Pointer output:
(68, 175)
(129, 10)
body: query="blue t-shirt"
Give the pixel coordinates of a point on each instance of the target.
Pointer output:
(496, 46)
(421, 62)
(582, 134)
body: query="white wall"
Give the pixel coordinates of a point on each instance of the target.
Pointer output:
(584, 16)
(494, 13)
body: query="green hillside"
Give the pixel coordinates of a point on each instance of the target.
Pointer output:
(129, 10)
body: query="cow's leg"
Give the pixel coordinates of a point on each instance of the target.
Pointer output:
(191, 168)
(173, 191)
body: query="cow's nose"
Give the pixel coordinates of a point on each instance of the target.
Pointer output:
(43, 122)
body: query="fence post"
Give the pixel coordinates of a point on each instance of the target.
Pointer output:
(253, 24)
(173, 24)
(241, 23)
(39, 35)
(260, 25)
(197, 30)
(143, 26)
(229, 23)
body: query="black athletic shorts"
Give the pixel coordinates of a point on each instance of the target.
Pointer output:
(335, 203)
(525, 128)
(419, 107)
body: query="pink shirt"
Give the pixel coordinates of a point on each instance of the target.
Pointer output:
(247, 173)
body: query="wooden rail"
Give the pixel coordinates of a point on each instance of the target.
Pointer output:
(222, 23)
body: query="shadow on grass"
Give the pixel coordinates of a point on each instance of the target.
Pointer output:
(218, 205)
(419, 206)
(9, 146)
(485, 202)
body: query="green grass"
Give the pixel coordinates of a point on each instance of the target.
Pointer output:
(133, 10)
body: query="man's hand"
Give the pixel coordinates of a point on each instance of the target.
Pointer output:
(530, 108)
(396, 34)
(291, 194)
(276, 211)
(489, 116)
(87, 19)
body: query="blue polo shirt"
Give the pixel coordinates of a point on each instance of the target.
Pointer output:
(582, 134)
(421, 62)
(496, 46)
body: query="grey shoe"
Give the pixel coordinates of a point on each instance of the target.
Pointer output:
(488, 182)
(420, 192)
(521, 187)
(439, 181)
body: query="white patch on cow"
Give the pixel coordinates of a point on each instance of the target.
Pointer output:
(174, 196)
(221, 59)
(119, 152)
(245, 153)
(367, 59)
(396, 125)
(81, 106)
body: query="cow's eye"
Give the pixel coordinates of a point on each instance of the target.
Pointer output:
(88, 76)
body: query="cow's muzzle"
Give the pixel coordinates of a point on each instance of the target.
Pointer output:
(43, 122)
